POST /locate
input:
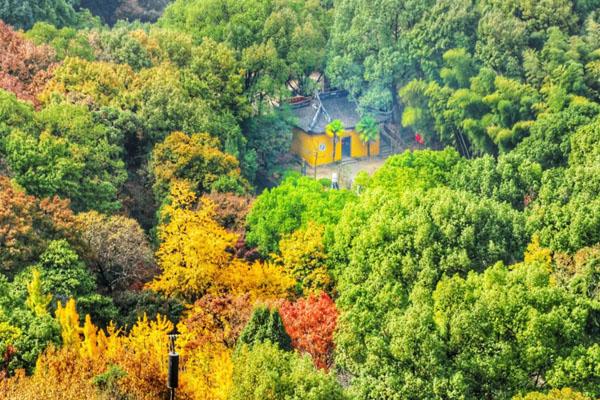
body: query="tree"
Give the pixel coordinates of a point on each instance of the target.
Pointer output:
(391, 248)
(421, 169)
(335, 130)
(231, 210)
(269, 139)
(276, 43)
(265, 326)
(565, 213)
(66, 42)
(26, 326)
(197, 159)
(564, 394)
(311, 322)
(549, 143)
(368, 130)
(265, 372)
(520, 340)
(28, 224)
(143, 10)
(371, 69)
(496, 47)
(23, 14)
(37, 300)
(24, 66)
(169, 99)
(120, 46)
(303, 254)
(195, 256)
(193, 247)
(72, 157)
(117, 249)
(103, 8)
(217, 320)
(509, 179)
(64, 276)
(290, 206)
(13, 113)
(83, 82)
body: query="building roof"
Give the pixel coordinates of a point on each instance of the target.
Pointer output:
(314, 114)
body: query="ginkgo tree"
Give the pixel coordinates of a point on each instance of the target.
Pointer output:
(195, 255)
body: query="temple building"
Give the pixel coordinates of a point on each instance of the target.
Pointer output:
(313, 114)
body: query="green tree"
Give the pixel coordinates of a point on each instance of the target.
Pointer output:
(68, 42)
(24, 334)
(501, 39)
(120, 46)
(267, 373)
(566, 213)
(549, 143)
(290, 206)
(25, 13)
(487, 335)
(65, 276)
(422, 169)
(371, 69)
(70, 156)
(390, 250)
(276, 42)
(510, 178)
(13, 113)
(269, 139)
(265, 325)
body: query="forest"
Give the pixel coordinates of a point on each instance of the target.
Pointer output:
(144, 192)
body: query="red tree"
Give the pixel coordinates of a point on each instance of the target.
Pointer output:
(24, 67)
(310, 323)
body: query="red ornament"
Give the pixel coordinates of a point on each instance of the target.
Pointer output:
(419, 138)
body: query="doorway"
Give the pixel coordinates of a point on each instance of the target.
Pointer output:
(346, 147)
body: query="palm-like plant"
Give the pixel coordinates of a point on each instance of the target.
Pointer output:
(368, 130)
(334, 130)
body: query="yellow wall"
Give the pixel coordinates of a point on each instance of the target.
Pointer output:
(319, 147)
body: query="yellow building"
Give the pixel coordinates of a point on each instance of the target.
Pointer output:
(312, 144)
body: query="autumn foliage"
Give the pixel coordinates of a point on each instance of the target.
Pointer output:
(197, 159)
(27, 224)
(147, 184)
(310, 322)
(24, 67)
(195, 256)
(217, 320)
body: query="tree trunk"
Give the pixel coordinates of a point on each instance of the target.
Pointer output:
(334, 146)
(369, 149)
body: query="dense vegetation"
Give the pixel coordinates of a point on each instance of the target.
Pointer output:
(132, 155)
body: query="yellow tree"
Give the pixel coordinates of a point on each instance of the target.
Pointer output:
(195, 255)
(303, 256)
(68, 318)
(193, 246)
(37, 301)
(260, 281)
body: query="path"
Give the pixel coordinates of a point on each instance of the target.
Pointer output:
(347, 170)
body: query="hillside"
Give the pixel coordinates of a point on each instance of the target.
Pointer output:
(146, 190)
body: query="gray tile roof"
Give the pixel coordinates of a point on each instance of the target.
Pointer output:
(336, 105)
